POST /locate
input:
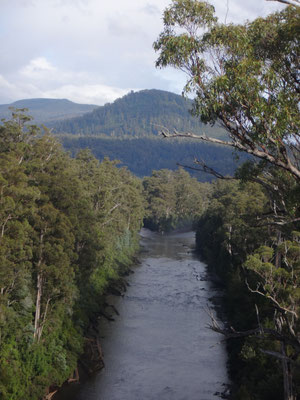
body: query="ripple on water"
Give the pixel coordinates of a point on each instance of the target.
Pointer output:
(159, 348)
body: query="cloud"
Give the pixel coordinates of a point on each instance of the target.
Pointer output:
(91, 48)
(122, 27)
(4, 84)
(38, 68)
(10, 92)
(151, 9)
(41, 78)
(88, 94)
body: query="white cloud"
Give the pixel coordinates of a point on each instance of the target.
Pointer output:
(87, 94)
(38, 68)
(10, 92)
(4, 84)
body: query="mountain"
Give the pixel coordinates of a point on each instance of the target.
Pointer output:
(138, 114)
(128, 130)
(46, 110)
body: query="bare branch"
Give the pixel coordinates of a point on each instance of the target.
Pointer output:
(205, 168)
(277, 355)
(276, 303)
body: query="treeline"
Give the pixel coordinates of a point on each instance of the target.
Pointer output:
(68, 229)
(173, 200)
(250, 237)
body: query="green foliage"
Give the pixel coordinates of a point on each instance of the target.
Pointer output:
(68, 228)
(249, 82)
(240, 238)
(174, 199)
(246, 77)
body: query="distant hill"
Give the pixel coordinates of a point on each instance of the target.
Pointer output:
(47, 110)
(128, 130)
(138, 114)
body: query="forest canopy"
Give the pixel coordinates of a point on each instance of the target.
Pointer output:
(68, 229)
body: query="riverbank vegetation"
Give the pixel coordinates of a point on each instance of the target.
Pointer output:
(246, 79)
(68, 229)
(257, 262)
(173, 200)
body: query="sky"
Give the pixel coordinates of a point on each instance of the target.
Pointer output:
(92, 51)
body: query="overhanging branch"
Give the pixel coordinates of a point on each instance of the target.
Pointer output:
(255, 151)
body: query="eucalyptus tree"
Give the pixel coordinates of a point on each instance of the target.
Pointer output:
(245, 77)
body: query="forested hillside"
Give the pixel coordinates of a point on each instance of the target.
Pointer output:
(138, 114)
(142, 155)
(128, 130)
(68, 229)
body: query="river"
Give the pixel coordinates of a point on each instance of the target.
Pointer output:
(159, 347)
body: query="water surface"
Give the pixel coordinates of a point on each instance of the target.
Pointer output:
(160, 348)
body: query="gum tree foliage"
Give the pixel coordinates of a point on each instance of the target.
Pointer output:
(245, 77)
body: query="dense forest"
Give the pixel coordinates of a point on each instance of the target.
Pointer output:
(143, 155)
(68, 229)
(173, 200)
(257, 262)
(68, 235)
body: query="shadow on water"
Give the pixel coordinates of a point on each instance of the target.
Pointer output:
(160, 348)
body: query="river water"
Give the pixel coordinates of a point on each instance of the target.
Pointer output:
(159, 347)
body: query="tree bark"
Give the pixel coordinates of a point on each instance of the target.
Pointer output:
(39, 286)
(38, 306)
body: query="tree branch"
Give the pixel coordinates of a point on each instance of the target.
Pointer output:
(276, 303)
(238, 145)
(259, 331)
(205, 168)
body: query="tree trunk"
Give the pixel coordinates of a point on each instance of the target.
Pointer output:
(39, 286)
(278, 254)
(38, 306)
(287, 376)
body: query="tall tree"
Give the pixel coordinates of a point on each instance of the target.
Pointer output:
(245, 77)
